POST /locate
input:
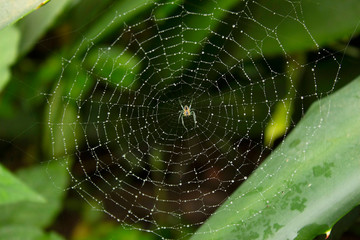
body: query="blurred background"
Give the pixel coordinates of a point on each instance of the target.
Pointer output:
(71, 123)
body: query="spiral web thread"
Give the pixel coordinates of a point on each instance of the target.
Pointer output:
(114, 112)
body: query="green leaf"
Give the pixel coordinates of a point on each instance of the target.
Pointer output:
(106, 231)
(65, 127)
(281, 118)
(12, 190)
(11, 11)
(121, 233)
(34, 25)
(306, 185)
(184, 44)
(50, 180)
(282, 26)
(118, 67)
(20, 232)
(26, 233)
(218, 10)
(106, 25)
(9, 38)
(51, 236)
(280, 121)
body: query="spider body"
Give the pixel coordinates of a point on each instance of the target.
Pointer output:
(186, 112)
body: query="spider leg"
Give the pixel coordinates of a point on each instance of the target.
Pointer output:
(181, 112)
(182, 120)
(194, 116)
(191, 103)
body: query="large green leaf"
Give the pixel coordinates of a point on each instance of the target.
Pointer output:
(12, 190)
(306, 185)
(11, 11)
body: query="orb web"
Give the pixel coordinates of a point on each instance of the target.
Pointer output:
(114, 111)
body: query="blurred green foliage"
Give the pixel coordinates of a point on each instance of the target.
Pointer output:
(25, 220)
(12, 190)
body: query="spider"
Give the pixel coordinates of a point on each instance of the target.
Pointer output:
(186, 112)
